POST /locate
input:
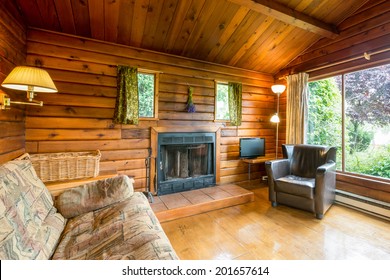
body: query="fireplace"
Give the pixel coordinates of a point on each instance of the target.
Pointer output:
(185, 161)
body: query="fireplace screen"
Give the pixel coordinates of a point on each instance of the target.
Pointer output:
(185, 162)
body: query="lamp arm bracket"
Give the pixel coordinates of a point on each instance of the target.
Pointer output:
(32, 102)
(5, 102)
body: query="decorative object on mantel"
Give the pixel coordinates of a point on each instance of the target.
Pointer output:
(30, 79)
(190, 107)
(277, 89)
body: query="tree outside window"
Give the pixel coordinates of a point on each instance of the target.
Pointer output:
(222, 102)
(146, 95)
(367, 118)
(324, 125)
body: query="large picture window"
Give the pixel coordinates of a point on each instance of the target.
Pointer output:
(361, 128)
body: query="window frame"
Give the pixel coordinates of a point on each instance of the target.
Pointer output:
(156, 93)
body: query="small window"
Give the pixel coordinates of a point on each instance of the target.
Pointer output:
(147, 95)
(221, 102)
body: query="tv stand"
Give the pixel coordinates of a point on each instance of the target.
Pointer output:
(251, 161)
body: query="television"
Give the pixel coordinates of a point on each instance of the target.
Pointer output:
(252, 147)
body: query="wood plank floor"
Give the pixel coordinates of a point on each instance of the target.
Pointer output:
(184, 204)
(255, 230)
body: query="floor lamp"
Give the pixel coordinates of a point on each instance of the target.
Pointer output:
(277, 89)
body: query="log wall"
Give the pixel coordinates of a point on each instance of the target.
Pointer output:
(12, 53)
(78, 117)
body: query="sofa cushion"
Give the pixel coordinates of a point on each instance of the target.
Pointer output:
(30, 225)
(94, 195)
(125, 230)
(296, 186)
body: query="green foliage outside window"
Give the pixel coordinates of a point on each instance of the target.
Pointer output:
(222, 102)
(146, 95)
(324, 118)
(367, 118)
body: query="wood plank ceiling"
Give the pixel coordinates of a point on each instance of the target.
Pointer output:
(258, 35)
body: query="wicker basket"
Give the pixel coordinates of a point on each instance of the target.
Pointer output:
(66, 166)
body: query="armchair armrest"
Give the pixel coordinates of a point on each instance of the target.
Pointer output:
(95, 195)
(275, 170)
(327, 167)
(325, 186)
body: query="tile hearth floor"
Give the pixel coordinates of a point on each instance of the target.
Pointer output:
(178, 205)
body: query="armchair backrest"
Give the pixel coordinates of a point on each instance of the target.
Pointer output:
(305, 159)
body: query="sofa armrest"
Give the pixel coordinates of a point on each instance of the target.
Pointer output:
(94, 195)
(276, 169)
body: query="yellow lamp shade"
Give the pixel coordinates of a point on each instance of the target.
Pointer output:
(29, 79)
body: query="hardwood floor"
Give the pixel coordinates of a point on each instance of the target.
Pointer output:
(255, 231)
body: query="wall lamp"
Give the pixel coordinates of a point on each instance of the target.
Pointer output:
(277, 89)
(29, 79)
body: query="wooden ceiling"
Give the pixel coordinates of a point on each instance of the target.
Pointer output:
(260, 35)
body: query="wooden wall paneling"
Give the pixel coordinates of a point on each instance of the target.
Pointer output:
(38, 134)
(10, 144)
(157, 59)
(89, 145)
(66, 122)
(74, 64)
(79, 117)
(12, 53)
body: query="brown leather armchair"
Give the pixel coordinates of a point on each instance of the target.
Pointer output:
(304, 179)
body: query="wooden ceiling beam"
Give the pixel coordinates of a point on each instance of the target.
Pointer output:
(290, 16)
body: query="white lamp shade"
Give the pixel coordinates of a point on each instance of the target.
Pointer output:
(275, 118)
(29, 78)
(278, 88)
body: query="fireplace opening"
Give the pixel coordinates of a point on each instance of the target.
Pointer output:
(186, 161)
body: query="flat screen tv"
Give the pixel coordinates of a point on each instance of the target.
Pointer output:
(252, 147)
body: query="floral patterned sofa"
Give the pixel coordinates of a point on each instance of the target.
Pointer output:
(105, 219)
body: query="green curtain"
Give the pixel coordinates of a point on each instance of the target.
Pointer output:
(235, 103)
(126, 106)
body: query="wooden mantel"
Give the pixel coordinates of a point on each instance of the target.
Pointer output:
(190, 129)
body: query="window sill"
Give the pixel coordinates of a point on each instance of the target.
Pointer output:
(148, 119)
(222, 121)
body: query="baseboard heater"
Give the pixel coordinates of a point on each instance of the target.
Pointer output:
(365, 204)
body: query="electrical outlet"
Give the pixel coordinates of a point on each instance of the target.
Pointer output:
(265, 178)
